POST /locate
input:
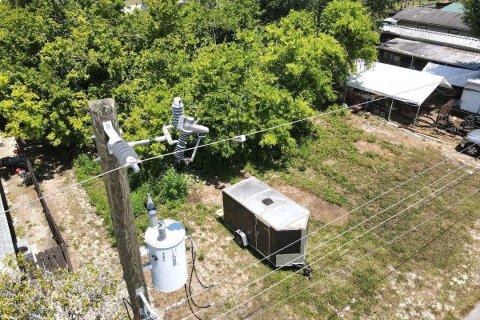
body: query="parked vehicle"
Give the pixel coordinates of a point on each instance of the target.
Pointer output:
(471, 143)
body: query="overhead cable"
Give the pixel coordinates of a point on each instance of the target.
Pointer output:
(333, 251)
(235, 138)
(342, 233)
(414, 228)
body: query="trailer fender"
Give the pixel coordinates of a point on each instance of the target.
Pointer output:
(241, 238)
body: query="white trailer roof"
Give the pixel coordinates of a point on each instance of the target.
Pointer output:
(395, 82)
(279, 212)
(455, 76)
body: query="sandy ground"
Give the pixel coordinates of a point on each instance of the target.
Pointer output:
(320, 210)
(81, 227)
(444, 143)
(29, 221)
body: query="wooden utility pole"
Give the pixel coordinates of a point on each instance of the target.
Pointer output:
(118, 193)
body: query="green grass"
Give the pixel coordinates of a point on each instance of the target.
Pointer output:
(332, 168)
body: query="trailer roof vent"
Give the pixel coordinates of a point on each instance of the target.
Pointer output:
(267, 201)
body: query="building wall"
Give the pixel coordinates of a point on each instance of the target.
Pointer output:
(401, 60)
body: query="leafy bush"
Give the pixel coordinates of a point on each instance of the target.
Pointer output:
(172, 188)
(89, 293)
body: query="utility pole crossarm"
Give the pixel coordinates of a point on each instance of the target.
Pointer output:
(118, 193)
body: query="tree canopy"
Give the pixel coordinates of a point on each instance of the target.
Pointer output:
(276, 9)
(472, 16)
(220, 56)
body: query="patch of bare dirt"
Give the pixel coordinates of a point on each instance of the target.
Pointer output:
(207, 194)
(364, 146)
(400, 136)
(82, 228)
(29, 221)
(319, 209)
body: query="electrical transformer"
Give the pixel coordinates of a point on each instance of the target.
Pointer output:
(165, 240)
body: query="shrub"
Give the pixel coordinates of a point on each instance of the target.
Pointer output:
(90, 293)
(171, 187)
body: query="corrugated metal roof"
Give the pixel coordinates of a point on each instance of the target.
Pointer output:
(6, 242)
(455, 76)
(433, 52)
(450, 40)
(433, 17)
(454, 7)
(279, 212)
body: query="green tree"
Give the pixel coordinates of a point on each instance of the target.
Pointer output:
(270, 75)
(55, 56)
(380, 9)
(276, 9)
(472, 16)
(349, 23)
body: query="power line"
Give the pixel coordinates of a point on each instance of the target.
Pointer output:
(223, 141)
(235, 138)
(364, 256)
(323, 227)
(339, 235)
(336, 249)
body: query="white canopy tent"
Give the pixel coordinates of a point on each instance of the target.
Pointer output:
(398, 83)
(455, 76)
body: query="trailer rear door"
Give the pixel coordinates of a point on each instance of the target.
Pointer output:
(263, 238)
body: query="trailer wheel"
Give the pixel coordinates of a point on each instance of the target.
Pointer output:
(472, 150)
(307, 272)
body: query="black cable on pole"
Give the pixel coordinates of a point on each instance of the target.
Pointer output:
(125, 301)
(194, 272)
(189, 297)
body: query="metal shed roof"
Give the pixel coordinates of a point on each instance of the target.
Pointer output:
(449, 40)
(432, 16)
(281, 214)
(401, 84)
(6, 242)
(456, 76)
(454, 7)
(433, 52)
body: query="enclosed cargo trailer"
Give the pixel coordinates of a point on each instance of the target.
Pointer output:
(268, 221)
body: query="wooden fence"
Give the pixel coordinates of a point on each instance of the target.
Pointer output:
(52, 258)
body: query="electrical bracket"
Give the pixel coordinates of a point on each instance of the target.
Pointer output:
(111, 133)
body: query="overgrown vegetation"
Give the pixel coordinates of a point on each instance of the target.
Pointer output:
(49, 295)
(168, 192)
(332, 167)
(220, 56)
